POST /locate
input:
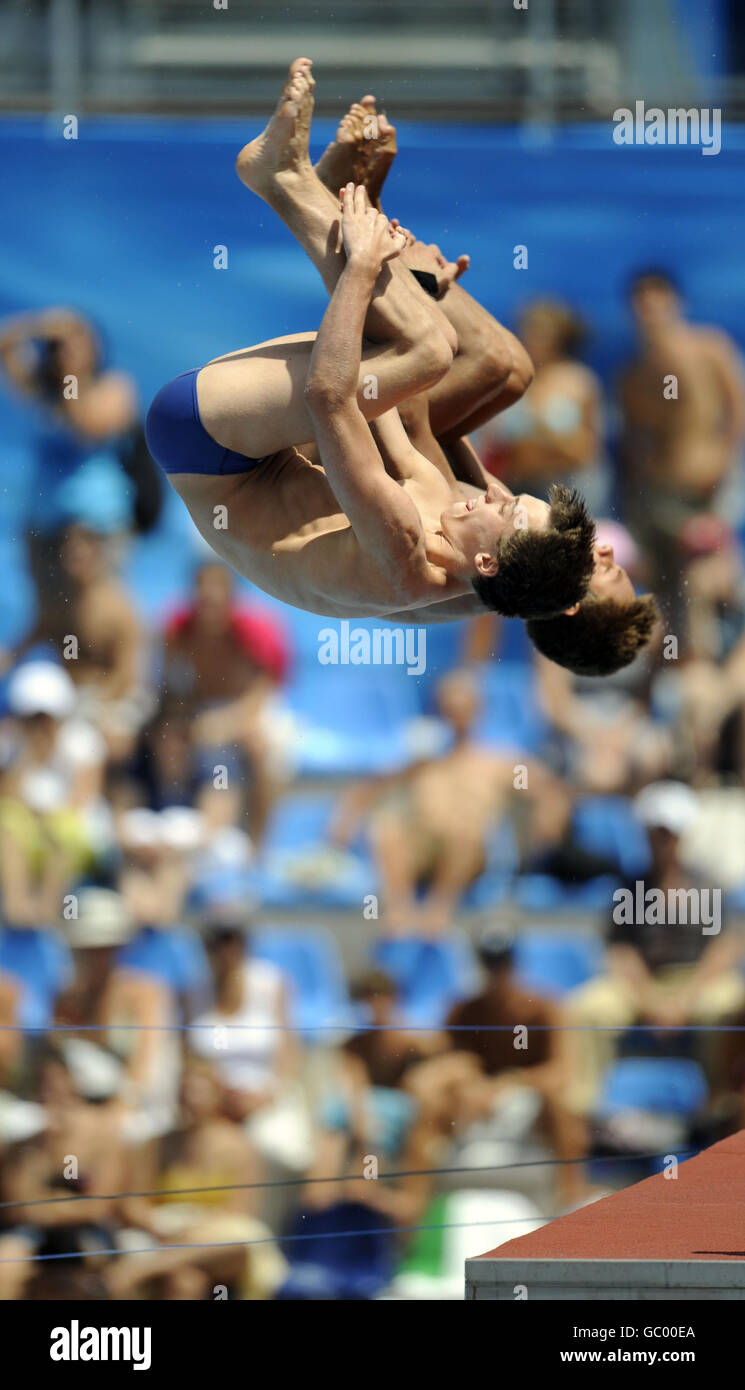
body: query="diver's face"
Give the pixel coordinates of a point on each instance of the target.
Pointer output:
(475, 526)
(609, 580)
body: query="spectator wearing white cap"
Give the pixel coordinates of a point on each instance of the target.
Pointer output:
(669, 962)
(132, 1013)
(42, 700)
(45, 836)
(158, 848)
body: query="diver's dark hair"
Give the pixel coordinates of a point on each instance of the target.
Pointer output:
(543, 572)
(600, 638)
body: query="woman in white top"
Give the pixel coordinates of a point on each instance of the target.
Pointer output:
(246, 1030)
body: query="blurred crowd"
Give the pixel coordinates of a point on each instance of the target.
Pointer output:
(255, 1089)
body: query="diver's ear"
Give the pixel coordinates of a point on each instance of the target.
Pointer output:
(570, 612)
(486, 564)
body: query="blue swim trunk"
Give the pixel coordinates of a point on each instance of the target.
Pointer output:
(177, 438)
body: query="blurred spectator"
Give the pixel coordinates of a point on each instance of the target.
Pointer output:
(204, 1175)
(205, 1151)
(712, 672)
(88, 418)
(430, 824)
(51, 739)
(662, 972)
(77, 1151)
(554, 434)
(679, 449)
(46, 840)
(223, 662)
(205, 1179)
(246, 1033)
(153, 879)
(516, 1035)
(98, 634)
(438, 1083)
(11, 1037)
(133, 1052)
(385, 1047)
(164, 770)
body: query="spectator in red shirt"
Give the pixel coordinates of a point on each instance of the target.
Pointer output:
(223, 662)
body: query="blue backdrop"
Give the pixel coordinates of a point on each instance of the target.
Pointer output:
(122, 223)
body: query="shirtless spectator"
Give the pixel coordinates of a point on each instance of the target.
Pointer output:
(107, 657)
(680, 452)
(554, 433)
(712, 673)
(486, 1027)
(388, 1050)
(223, 663)
(431, 822)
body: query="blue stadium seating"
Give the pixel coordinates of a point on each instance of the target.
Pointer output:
(606, 825)
(497, 880)
(42, 961)
(431, 975)
(511, 717)
(346, 1251)
(166, 308)
(296, 835)
(309, 958)
(541, 893)
(554, 963)
(354, 723)
(665, 1086)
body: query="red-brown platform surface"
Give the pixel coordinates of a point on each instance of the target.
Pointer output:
(700, 1215)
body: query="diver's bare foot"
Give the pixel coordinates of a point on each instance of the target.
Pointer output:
(362, 153)
(381, 151)
(282, 148)
(339, 163)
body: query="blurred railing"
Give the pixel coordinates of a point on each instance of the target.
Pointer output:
(473, 60)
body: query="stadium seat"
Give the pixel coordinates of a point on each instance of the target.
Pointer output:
(431, 975)
(542, 893)
(512, 717)
(554, 964)
(42, 961)
(502, 861)
(353, 724)
(343, 1252)
(299, 868)
(664, 1086)
(606, 825)
(309, 958)
(735, 899)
